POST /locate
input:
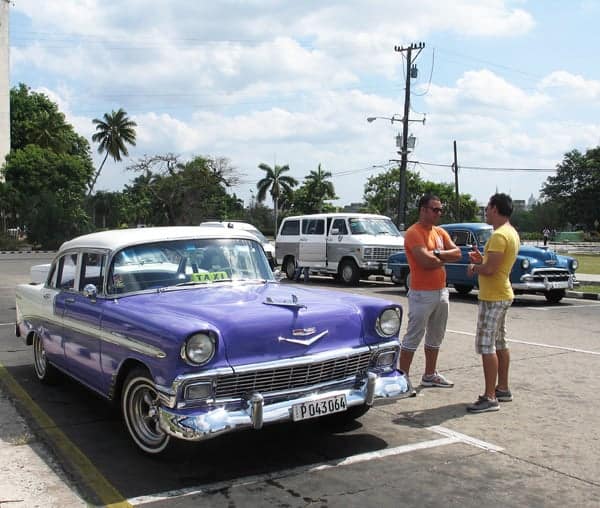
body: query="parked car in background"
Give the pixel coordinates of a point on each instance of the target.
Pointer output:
(268, 246)
(349, 246)
(536, 270)
(189, 331)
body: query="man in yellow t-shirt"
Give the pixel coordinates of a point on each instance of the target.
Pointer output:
(428, 247)
(495, 298)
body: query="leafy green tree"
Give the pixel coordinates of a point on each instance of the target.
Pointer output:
(576, 187)
(178, 193)
(35, 119)
(381, 196)
(113, 134)
(276, 183)
(49, 190)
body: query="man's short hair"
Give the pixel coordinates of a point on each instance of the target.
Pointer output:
(426, 198)
(503, 203)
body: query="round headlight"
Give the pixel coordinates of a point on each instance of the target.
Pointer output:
(388, 323)
(574, 264)
(524, 263)
(198, 349)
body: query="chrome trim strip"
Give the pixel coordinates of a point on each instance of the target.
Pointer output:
(306, 342)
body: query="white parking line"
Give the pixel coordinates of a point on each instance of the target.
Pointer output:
(539, 344)
(452, 437)
(554, 309)
(7, 324)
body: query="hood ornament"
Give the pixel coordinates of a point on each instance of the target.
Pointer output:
(303, 342)
(292, 302)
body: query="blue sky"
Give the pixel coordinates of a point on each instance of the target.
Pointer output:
(515, 83)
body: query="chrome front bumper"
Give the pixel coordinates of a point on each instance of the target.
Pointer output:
(528, 284)
(196, 425)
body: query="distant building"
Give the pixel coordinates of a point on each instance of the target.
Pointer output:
(353, 208)
(531, 202)
(519, 204)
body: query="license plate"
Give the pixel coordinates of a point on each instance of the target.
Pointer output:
(320, 407)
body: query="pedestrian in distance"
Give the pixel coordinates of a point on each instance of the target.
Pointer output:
(428, 247)
(546, 235)
(495, 298)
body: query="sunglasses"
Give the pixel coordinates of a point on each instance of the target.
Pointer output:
(435, 209)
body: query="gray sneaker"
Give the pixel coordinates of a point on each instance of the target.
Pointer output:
(503, 395)
(483, 405)
(436, 379)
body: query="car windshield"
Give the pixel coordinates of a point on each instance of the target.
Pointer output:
(186, 262)
(373, 226)
(483, 236)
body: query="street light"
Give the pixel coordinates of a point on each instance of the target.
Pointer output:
(394, 118)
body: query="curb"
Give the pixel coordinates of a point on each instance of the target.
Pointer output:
(584, 296)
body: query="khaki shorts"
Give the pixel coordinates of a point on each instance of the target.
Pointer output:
(491, 326)
(427, 315)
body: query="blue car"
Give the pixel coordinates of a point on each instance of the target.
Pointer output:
(190, 332)
(536, 270)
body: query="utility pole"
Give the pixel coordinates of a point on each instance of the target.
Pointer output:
(405, 120)
(455, 170)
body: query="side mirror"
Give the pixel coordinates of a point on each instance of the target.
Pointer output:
(90, 291)
(335, 231)
(279, 275)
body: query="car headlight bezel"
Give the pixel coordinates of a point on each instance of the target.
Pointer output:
(199, 348)
(525, 263)
(574, 264)
(388, 322)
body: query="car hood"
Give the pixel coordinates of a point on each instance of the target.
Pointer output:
(544, 257)
(260, 323)
(381, 240)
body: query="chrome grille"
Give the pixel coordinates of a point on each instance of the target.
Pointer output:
(293, 377)
(381, 253)
(551, 275)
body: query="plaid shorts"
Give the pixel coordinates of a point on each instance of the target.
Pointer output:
(491, 326)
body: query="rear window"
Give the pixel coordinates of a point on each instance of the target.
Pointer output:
(291, 227)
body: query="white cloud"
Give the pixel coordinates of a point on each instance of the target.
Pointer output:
(576, 86)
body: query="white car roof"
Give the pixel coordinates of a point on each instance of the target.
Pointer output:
(344, 215)
(118, 238)
(234, 225)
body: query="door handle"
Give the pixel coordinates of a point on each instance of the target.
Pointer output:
(70, 300)
(47, 296)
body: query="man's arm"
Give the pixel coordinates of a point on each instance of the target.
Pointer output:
(489, 266)
(425, 258)
(451, 251)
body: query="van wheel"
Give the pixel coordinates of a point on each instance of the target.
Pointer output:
(349, 273)
(289, 268)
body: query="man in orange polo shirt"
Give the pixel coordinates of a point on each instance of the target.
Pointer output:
(428, 247)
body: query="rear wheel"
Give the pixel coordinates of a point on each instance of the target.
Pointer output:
(463, 289)
(554, 295)
(139, 405)
(349, 272)
(44, 371)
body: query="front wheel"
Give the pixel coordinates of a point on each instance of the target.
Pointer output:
(349, 273)
(139, 405)
(554, 295)
(463, 289)
(44, 370)
(289, 267)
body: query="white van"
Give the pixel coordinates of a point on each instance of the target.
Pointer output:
(349, 246)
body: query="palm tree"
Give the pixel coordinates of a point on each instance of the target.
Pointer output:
(274, 182)
(320, 188)
(112, 133)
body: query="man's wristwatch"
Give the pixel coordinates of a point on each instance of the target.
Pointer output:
(437, 253)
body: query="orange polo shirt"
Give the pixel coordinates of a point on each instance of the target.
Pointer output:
(431, 239)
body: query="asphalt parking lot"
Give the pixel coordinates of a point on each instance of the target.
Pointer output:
(539, 450)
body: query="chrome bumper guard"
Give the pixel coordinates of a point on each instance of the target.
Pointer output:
(195, 425)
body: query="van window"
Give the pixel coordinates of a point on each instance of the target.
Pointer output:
(291, 227)
(313, 227)
(340, 225)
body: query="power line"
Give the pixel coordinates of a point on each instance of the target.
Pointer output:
(488, 168)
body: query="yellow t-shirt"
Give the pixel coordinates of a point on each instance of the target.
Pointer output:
(497, 287)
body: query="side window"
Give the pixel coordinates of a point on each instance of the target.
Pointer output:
(92, 270)
(291, 227)
(67, 268)
(461, 238)
(340, 225)
(313, 227)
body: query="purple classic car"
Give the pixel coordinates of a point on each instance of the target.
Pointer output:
(190, 332)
